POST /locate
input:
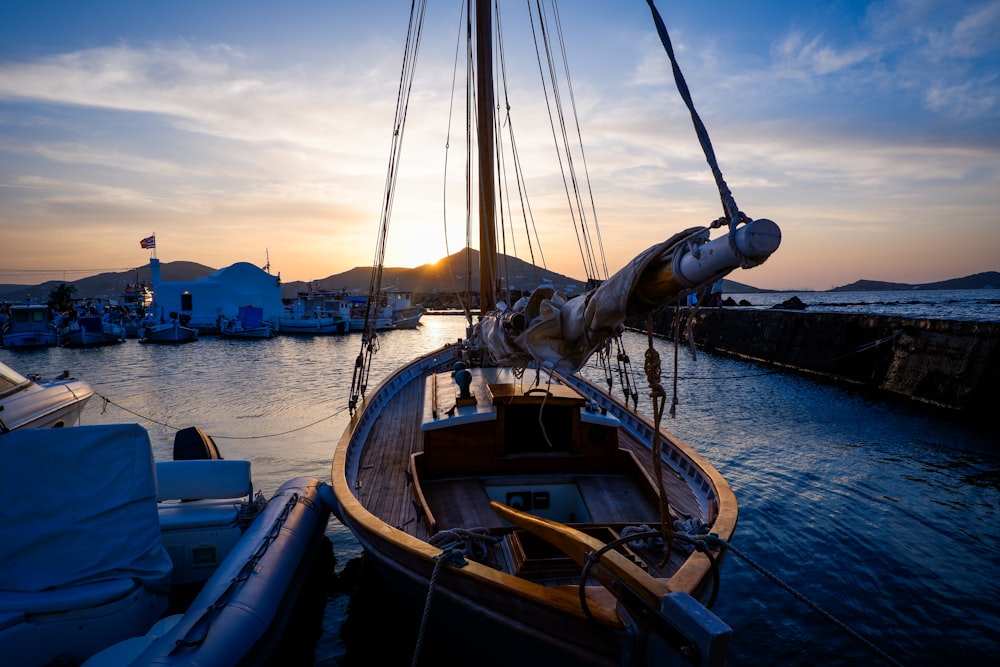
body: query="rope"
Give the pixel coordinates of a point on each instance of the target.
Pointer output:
(658, 396)
(105, 402)
(728, 204)
(452, 556)
(732, 214)
(199, 630)
(812, 605)
(693, 534)
(872, 345)
(693, 531)
(359, 380)
(474, 543)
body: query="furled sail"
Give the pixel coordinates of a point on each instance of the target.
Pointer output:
(550, 330)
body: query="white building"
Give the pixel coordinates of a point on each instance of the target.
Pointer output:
(216, 295)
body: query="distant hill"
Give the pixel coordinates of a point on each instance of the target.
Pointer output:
(985, 280)
(446, 276)
(105, 285)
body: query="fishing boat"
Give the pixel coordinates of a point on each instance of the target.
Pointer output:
(33, 402)
(127, 560)
(405, 315)
(91, 331)
(361, 311)
(248, 323)
(313, 318)
(531, 516)
(30, 325)
(167, 331)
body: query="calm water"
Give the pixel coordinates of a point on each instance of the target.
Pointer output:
(884, 516)
(975, 305)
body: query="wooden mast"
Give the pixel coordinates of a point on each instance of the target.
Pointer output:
(487, 190)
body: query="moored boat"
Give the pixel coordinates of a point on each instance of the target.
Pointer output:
(165, 331)
(405, 315)
(127, 560)
(29, 325)
(31, 402)
(91, 331)
(248, 323)
(536, 518)
(312, 318)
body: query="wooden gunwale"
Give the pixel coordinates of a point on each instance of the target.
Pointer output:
(379, 498)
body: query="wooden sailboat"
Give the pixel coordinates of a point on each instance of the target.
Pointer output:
(535, 518)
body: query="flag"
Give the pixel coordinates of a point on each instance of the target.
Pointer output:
(148, 242)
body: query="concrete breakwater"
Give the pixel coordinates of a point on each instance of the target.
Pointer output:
(950, 364)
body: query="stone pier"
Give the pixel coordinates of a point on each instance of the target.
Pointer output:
(949, 364)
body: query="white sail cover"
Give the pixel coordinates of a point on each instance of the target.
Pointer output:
(78, 506)
(563, 333)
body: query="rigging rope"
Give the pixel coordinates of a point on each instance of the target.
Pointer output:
(732, 214)
(729, 207)
(362, 366)
(560, 139)
(658, 397)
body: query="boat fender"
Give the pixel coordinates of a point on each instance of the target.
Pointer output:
(327, 496)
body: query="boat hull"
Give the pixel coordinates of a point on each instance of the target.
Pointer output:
(313, 327)
(30, 326)
(251, 334)
(168, 334)
(520, 614)
(30, 339)
(43, 404)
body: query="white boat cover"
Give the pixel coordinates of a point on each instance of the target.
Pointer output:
(78, 506)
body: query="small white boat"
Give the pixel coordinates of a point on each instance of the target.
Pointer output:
(90, 568)
(300, 320)
(248, 323)
(30, 326)
(35, 403)
(381, 317)
(408, 318)
(91, 331)
(405, 315)
(170, 332)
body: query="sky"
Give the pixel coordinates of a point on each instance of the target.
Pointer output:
(261, 132)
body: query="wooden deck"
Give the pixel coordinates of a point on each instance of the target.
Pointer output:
(386, 484)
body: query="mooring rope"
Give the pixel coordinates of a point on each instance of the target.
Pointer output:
(105, 402)
(693, 535)
(812, 605)
(452, 556)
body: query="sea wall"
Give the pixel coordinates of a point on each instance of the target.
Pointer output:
(949, 364)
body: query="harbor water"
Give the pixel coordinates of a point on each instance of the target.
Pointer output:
(867, 531)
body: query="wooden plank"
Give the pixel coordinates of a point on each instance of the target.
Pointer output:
(615, 499)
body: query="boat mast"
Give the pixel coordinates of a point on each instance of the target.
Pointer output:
(487, 190)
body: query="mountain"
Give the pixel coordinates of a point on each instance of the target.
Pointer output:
(985, 280)
(105, 285)
(446, 276)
